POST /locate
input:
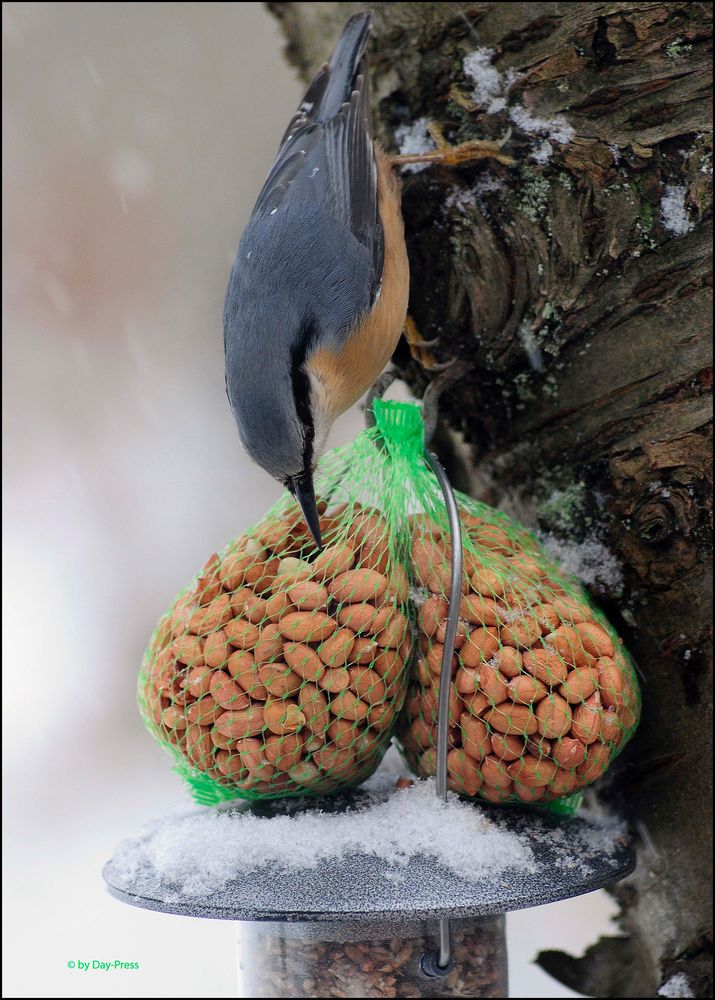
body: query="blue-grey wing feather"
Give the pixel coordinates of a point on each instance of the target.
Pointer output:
(331, 163)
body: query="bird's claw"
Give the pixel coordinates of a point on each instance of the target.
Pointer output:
(463, 152)
(419, 347)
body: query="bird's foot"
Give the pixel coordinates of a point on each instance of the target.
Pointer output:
(419, 347)
(452, 156)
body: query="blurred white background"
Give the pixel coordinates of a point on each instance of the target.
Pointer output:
(136, 137)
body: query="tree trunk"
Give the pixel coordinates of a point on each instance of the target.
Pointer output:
(576, 282)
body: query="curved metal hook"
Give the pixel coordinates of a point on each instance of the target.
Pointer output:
(445, 677)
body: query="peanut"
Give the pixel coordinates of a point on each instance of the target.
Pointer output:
(226, 692)
(334, 560)
(528, 794)
(241, 666)
(463, 774)
(207, 710)
(475, 736)
(367, 684)
(579, 684)
(364, 650)
(476, 704)
(393, 634)
(611, 683)
(512, 720)
(269, 645)
(303, 660)
(239, 599)
(357, 585)
(389, 665)
(480, 610)
(569, 752)
(347, 705)
(486, 581)
(460, 637)
(563, 783)
(343, 732)
(595, 764)
(612, 730)
(526, 689)
(571, 611)
(216, 649)
(379, 716)
(284, 752)
(306, 774)
(230, 764)
(358, 617)
(497, 794)
(188, 649)
(554, 716)
(335, 680)
(587, 720)
(307, 626)
(314, 706)
(254, 608)
(241, 633)
(507, 747)
(568, 643)
(398, 585)
(211, 616)
(337, 650)
(546, 665)
(494, 772)
(276, 606)
(491, 683)
(532, 772)
(279, 679)
(481, 645)
(199, 681)
(596, 640)
(508, 661)
(199, 748)
(247, 722)
(467, 680)
(173, 718)
(522, 632)
(307, 595)
(283, 716)
(432, 613)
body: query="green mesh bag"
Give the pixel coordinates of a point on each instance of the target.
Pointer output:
(281, 671)
(543, 694)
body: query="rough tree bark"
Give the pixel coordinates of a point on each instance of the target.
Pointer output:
(577, 283)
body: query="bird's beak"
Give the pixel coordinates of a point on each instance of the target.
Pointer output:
(302, 489)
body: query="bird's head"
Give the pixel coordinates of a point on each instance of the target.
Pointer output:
(279, 407)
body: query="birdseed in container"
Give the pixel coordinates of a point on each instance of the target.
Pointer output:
(371, 959)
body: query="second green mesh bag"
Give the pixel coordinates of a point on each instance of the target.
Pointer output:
(543, 694)
(280, 670)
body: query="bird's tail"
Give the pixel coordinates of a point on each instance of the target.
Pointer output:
(335, 82)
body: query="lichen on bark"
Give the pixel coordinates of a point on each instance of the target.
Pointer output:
(576, 283)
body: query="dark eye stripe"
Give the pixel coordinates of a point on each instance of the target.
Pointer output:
(301, 389)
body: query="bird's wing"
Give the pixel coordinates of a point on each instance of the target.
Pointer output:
(331, 164)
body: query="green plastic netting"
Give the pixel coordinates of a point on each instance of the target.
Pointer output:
(281, 671)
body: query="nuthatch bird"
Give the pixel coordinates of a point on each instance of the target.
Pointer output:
(317, 296)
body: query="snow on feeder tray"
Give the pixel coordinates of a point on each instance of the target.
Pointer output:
(389, 890)
(349, 895)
